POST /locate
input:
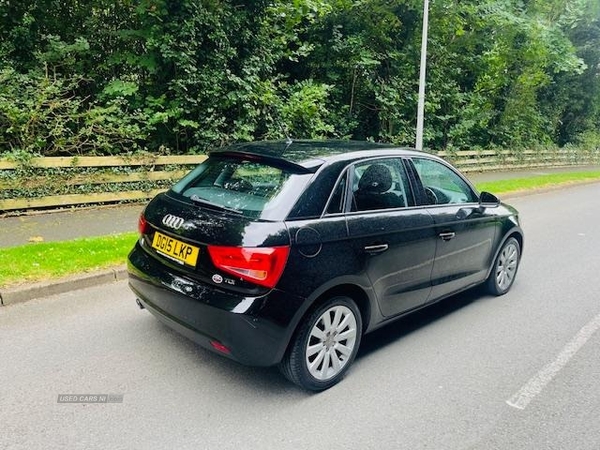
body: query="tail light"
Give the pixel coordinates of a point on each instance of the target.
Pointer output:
(260, 265)
(143, 226)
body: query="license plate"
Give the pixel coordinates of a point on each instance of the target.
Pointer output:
(179, 251)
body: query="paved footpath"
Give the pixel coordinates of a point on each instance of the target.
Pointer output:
(68, 224)
(87, 222)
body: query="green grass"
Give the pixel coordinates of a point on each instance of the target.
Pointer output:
(46, 260)
(537, 182)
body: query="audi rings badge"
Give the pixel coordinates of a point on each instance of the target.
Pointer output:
(172, 221)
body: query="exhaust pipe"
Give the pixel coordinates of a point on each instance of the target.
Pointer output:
(139, 303)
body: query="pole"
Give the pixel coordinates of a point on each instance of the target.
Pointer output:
(422, 78)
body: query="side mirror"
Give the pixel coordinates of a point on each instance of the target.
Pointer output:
(488, 200)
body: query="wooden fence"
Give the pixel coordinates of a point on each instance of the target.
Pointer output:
(150, 169)
(160, 169)
(492, 160)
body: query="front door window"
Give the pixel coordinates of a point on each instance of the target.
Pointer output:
(442, 185)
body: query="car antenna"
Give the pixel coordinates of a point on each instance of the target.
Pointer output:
(288, 139)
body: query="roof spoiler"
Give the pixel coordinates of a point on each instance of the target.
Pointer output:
(267, 159)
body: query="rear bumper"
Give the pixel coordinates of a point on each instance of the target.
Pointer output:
(256, 330)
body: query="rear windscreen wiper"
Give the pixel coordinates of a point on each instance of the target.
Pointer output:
(202, 201)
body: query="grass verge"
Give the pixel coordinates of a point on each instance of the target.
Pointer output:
(47, 260)
(537, 182)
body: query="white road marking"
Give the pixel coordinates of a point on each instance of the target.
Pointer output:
(538, 382)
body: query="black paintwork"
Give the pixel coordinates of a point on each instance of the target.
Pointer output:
(327, 253)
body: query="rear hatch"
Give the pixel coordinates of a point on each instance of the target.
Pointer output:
(223, 223)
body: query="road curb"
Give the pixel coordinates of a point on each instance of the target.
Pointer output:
(20, 294)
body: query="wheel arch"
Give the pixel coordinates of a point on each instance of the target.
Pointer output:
(356, 293)
(346, 288)
(295, 365)
(516, 233)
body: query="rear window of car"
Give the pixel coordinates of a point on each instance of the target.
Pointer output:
(252, 188)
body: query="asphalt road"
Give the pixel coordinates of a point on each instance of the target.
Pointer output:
(474, 372)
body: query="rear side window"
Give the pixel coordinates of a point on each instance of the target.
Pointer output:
(251, 188)
(338, 197)
(380, 184)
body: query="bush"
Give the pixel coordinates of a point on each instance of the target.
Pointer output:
(42, 115)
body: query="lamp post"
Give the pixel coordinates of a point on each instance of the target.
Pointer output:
(422, 77)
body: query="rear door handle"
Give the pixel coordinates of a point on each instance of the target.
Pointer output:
(379, 248)
(448, 235)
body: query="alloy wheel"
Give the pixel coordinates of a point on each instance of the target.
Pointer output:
(507, 266)
(331, 342)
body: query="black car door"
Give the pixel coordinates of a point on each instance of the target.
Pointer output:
(465, 231)
(393, 240)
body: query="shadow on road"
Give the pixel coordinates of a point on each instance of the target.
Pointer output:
(256, 381)
(400, 328)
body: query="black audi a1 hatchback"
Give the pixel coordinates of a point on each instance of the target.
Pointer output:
(286, 253)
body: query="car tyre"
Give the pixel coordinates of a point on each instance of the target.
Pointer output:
(505, 268)
(324, 346)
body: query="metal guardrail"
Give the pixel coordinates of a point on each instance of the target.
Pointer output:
(154, 169)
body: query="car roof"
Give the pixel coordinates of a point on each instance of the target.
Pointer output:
(311, 154)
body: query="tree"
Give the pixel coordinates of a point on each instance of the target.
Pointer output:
(101, 77)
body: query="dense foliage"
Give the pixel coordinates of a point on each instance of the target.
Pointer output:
(105, 77)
